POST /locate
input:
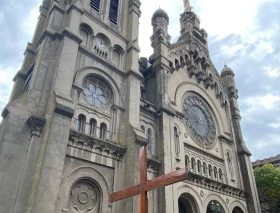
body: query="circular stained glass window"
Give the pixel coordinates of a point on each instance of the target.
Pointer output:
(97, 92)
(199, 120)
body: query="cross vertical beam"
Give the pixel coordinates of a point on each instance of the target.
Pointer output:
(146, 185)
(143, 197)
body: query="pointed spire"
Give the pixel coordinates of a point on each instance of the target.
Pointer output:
(187, 6)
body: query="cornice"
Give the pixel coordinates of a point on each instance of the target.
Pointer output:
(98, 143)
(101, 60)
(216, 186)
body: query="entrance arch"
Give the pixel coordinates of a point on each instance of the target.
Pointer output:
(216, 206)
(237, 210)
(187, 204)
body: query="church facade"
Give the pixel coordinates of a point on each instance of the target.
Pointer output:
(83, 103)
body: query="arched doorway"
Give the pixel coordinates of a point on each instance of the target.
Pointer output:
(215, 207)
(187, 204)
(237, 210)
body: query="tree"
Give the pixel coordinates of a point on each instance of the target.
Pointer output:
(268, 184)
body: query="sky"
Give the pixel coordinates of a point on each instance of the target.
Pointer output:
(243, 34)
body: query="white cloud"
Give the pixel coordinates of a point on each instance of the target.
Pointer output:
(2, 18)
(254, 107)
(267, 102)
(231, 50)
(272, 72)
(28, 24)
(263, 48)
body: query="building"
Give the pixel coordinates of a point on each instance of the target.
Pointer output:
(83, 104)
(275, 161)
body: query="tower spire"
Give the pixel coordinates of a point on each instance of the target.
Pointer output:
(187, 6)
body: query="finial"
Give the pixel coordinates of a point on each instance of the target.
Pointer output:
(187, 6)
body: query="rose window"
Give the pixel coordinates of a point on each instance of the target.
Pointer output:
(97, 92)
(199, 120)
(85, 197)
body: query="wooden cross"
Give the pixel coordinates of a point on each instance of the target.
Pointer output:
(146, 185)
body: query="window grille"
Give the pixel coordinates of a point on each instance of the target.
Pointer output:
(114, 11)
(95, 4)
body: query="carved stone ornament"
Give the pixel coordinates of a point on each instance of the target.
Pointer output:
(85, 198)
(36, 124)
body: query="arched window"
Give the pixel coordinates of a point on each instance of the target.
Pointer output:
(204, 168)
(199, 166)
(143, 128)
(92, 127)
(85, 195)
(95, 4)
(116, 58)
(177, 65)
(210, 170)
(182, 60)
(149, 135)
(215, 173)
(221, 175)
(170, 64)
(187, 161)
(84, 35)
(81, 123)
(103, 131)
(193, 164)
(176, 140)
(114, 11)
(186, 58)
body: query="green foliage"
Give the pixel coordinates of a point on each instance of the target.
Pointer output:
(268, 183)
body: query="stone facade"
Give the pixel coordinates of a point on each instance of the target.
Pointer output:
(83, 103)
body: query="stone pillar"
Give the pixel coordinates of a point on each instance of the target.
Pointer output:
(36, 125)
(165, 140)
(244, 154)
(131, 134)
(59, 111)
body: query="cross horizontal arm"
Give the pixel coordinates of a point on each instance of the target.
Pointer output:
(166, 180)
(128, 192)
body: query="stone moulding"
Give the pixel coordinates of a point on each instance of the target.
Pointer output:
(216, 186)
(103, 145)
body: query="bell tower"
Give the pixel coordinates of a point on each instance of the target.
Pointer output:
(79, 75)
